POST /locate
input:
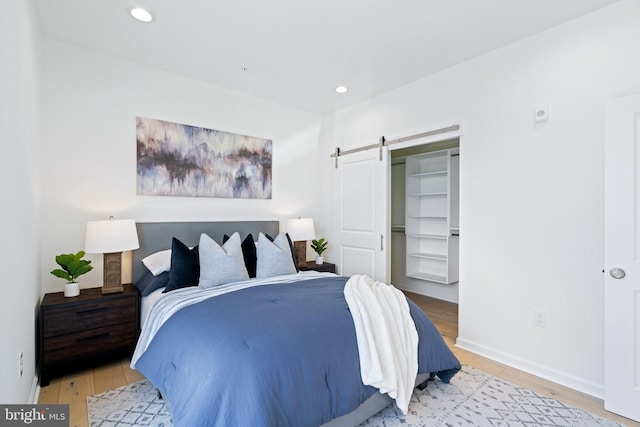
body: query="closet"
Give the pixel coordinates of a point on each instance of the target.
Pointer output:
(425, 219)
(395, 210)
(431, 223)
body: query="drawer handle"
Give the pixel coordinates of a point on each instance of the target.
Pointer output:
(93, 338)
(95, 310)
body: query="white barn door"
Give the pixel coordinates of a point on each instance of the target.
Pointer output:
(622, 257)
(360, 213)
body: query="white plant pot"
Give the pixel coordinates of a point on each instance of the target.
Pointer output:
(71, 289)
(319, 260)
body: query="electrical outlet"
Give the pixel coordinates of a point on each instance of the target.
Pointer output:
(539, 318)
(20, 364)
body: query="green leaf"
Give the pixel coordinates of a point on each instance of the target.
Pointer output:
(62, 274)
(85, 268)
(64, 259)
(319, 246)
(72, 265)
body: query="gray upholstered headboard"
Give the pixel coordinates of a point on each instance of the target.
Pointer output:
(156, 236)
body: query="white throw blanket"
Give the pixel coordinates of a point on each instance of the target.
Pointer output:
(386, 335)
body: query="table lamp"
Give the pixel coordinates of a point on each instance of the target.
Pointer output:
(300, 230)
(111, 237)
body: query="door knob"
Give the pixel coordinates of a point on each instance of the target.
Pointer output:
(617, 273)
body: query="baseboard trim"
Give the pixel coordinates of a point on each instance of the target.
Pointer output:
(562, 378)
(34, 394)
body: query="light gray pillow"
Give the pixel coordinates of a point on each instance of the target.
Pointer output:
(221, 264)
(274, 258)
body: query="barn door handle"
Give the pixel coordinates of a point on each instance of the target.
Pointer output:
(617, 273)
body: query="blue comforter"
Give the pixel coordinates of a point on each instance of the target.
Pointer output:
(275, 355)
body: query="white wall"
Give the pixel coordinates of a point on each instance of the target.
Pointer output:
(90, 105)
(20, 76)
(531, 196)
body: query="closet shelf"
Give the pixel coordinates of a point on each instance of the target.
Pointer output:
(434, 173)
(439, 257)
(429, 236)
(428, 194)
(427, 276)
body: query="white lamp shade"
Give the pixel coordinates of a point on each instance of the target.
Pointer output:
(301, 229)
(112, 235)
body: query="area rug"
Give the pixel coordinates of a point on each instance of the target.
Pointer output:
(472, 399)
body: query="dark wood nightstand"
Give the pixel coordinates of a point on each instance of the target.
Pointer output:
(324, 267)
(84, 330)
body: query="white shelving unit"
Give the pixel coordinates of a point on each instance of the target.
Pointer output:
(432, 206)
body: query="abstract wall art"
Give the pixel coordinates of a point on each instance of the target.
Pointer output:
(181, 160)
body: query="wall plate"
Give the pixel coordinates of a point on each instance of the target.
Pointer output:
(541, 114)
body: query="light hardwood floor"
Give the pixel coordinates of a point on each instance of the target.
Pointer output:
(74, 389)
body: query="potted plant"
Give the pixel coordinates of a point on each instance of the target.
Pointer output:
(73, 266)
(319, 246)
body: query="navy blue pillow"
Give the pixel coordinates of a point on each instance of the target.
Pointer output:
(293, 250)
(150, 283)
(248, 253)
(185, 266)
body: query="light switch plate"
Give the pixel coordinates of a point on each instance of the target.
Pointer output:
(541, 114)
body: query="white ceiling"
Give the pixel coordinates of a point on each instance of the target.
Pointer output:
(295, 51)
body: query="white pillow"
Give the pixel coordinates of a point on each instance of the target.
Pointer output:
(221, 264)
(274, 258)
(158, 262)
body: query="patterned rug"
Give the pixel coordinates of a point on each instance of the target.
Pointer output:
(473, 399)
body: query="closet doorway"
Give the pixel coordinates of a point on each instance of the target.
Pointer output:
(424, 218)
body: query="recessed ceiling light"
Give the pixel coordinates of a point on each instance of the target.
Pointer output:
(141, 14)
(342, 89)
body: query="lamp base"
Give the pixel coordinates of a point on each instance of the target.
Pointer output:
(301, 252)
(112, 273)
(113, 290)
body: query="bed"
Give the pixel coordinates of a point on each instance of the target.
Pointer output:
(268, 351)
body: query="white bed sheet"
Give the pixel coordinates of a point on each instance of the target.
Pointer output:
(148, 302)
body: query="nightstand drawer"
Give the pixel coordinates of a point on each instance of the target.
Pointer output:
(65, 348)
(81, 317)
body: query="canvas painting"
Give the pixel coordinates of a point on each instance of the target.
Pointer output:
(182, 160)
